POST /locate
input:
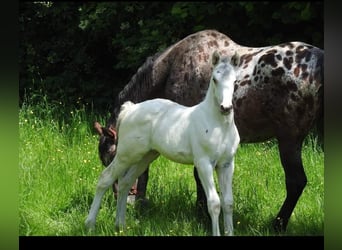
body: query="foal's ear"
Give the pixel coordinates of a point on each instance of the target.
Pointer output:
(235, 60)
(113, 132)
(215, 58)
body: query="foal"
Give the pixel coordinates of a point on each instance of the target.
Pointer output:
(204, 135)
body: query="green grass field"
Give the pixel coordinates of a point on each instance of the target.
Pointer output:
(59, 168)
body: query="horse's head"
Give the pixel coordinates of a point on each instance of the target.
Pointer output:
(107, 143)
(223, 80)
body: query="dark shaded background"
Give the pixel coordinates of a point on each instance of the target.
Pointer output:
(84, 53)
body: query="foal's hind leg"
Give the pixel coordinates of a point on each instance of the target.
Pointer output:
(290, 154)
(105, 181)
(125, 183)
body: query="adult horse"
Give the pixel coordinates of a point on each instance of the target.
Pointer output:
(278, 94)
(204, 134)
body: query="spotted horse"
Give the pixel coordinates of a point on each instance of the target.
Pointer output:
(278, 94)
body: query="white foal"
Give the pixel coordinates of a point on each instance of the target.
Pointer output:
(204, 135)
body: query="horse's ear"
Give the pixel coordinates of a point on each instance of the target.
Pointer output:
(98, 128)
(215, 58)
(235, 60)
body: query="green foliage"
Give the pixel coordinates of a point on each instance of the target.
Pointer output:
(86, 52)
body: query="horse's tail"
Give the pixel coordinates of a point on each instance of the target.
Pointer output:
(123, 111)
(319, 75)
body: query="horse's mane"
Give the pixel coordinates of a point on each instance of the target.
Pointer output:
(140, 85)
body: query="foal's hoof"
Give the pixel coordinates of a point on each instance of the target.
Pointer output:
(90, 225)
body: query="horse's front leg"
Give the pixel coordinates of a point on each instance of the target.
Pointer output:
(225, 177)
(205, 173)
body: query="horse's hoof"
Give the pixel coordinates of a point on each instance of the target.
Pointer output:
(142, 202)
(279, 225)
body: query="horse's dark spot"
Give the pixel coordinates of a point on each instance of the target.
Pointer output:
(300, 54)
(289, 52)
(226, 43)
(236, 86)
(299, 48)
(245, 66)
(206, 131)
(272, 51)
(248, 58)
(200, 48)
(279, 57)
(296, 71)
(213, 43)
(263, 65)
(267, 79)
(305, 75)
(246, 76)
(213, 34)
(245, 82)
(256, 78)
(292, 86)
(278, 72)
(304, 67)
(268, 59)
(288, 62)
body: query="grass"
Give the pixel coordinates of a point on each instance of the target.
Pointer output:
(59, 169)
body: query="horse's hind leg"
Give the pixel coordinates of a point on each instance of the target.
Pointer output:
(290, 150)
(105, 181)
(201, 200)
(142, 186)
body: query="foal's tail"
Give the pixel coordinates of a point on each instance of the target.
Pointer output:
(123, 111)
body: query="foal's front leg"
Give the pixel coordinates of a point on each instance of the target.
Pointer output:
(225, 177)
(205, 172)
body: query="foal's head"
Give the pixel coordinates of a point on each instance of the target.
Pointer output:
(107, 143)
(222, 81)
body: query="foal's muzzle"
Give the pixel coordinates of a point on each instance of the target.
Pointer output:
(226, 110)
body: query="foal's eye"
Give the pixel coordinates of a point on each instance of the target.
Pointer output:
(214, 80)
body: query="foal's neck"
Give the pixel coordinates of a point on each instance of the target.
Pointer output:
(212, 108)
